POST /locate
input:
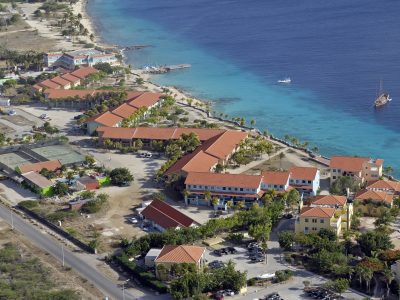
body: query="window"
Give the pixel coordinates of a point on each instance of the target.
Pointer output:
(309, 182)
(314, 220)
(306, 220)
(229, 188)
(306, 228)
(236, 189)
(224, 188)
(334, 177)
(321, 220)
(314, 228)
(241, 189)
(194, 186)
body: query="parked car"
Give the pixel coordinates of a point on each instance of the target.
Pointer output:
(216, 264)
(12, 112)
(142, 154)
(133, 220)
(257, 259)
(232, 250)
(43, 116)
(217, 252)
(229, 293)
(273, 296)
(149, 155)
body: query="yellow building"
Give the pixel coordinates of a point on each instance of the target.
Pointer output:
(172, 255)
(343, 208)
(313, 219)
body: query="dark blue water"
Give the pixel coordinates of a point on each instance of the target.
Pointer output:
(336, 52)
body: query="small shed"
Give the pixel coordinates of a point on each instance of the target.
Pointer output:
(151, 257)
(86, 183)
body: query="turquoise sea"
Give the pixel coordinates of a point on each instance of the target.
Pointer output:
(336, 53)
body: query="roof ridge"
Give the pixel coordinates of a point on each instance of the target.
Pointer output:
(165, 213)
(184, 249)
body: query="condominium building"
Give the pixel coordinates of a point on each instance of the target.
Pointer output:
(362, 169)
(313, 219)
(305, 179)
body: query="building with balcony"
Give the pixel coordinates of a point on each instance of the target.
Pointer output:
(388, 186)
(313, 219)
(225, 187)
(362, 169)
(275, 180)
(305, 180)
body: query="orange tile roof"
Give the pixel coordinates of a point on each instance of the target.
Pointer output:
(84, 72)
(54, 94)
(61, 81)
(38, 87)
(133, 94)
(223, 145)
(49, 84)
(197, 161)
(329, 200)
(112, 133)
(71, 78)
(275, 177)
(51, 165)
(107, 119)
(146, 99)
(180, 254)
(203, 133)
(227, 180)
(317, 212)
(150, 133)
(374, 195)
(347, 163)
(305, 173)
(384, 185)
(124, 111)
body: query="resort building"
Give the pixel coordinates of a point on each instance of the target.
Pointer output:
(388, 186)
(275, 180)
(313, 219)
(114, 117)
(217, 145)
(360, 168)
(372, 203)
(339, 203)
(83, 57)
(162, 216)
(225, 187)
(305, 180)
(65, 81)
(171, 255)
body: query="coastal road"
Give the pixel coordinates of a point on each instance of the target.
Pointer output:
(48, 244)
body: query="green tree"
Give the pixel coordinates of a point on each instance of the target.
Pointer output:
(286, 240)
(121, 176)
(60, 189)
(90, 160)
(293, 198)
(374, 240)
(215, 202)
(385, 219)
(337, 286)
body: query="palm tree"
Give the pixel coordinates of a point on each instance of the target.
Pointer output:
(253, 122)
(240, 205)
(389, 277)
(185, 195)
(215, 202)
(207, 196)
(229, 205)
(368, 274)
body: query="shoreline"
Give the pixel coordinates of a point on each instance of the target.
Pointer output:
(181, 96)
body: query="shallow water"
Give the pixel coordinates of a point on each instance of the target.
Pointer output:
(335, 52)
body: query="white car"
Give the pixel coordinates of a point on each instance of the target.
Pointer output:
(133, 220)
(12, 112)
(148, 155)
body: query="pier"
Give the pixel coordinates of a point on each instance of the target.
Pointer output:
(135, 47)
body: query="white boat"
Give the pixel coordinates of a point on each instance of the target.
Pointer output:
(287, 80)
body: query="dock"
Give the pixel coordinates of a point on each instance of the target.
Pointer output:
(135, 47)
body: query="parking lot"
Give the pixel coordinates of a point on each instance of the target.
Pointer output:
(18, 124)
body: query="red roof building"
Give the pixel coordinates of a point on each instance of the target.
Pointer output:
(163, 216)
(51, 165)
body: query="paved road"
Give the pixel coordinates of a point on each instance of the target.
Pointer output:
(51, 246)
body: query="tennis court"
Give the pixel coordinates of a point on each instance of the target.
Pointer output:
(13, 160)
(65, 154)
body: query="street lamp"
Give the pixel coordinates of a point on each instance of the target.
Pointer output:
(12, 220)
(62, 251)
(123, 289)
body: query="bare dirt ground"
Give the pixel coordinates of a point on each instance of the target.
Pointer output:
(64, 278)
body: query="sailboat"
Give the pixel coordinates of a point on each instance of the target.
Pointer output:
(383, 97)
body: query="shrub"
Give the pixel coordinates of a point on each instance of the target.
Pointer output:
(62, 215)
(251, 281)
(29, 204)
(283, 275)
